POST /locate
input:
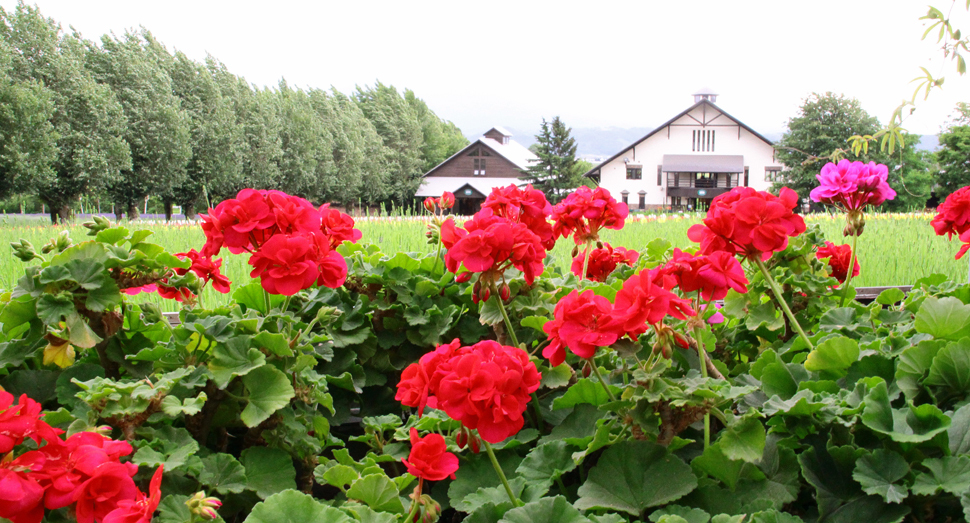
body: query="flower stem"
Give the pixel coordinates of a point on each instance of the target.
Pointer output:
(437, 255)
(702, 358)
(266, 300)
(848, 276)
(596, 370)
(505, 315)
(501, 475)
(781, 301)
(416, 503)
(586, 253)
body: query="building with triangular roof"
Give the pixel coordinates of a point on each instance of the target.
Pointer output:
(493, 160)
(693, 157)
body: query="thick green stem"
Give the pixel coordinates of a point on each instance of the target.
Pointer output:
(267, 301)
(848, 276)
(596, 370)
(702, 358)
(501, 475)
(437, 254)
(781, 301)
(586, 253)
(505, 315)
(416, 503)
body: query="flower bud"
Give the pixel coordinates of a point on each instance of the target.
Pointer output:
(575, 252)
(203, 506)
(505, 292)
(463, 277)
(23, 250)
(587, 369)
(599, 245)
(486, 294)
(429, 204)
(327, 315)
(447, 200)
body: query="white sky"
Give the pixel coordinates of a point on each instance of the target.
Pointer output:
(594, 63)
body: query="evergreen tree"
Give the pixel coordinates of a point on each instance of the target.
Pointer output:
(556, 172)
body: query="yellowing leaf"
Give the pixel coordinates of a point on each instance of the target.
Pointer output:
(60, 355)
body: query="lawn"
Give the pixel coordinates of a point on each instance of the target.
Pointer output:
(896, 249)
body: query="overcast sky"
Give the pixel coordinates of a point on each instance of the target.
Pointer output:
(594, 63)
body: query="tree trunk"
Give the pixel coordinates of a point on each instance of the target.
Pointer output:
(53, 216)
(188, 210)
(64, 213)
(168, 210)
(118, 210)
(133, 212)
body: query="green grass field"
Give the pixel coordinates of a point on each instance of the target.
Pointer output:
(896, 249)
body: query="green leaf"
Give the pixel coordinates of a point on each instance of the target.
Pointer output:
(54, 274)
(223, 473)
(273, 342)
(547, 461)
(341, 476)
(634, 475)
(525, 491)
(80, 334)
(959, 431)
(557, 376)
(89, 274)
(910, 424)
(890, 296)
(295, 507)
(714, 463)
(113, 235)
(691, 515)
(765, 315)
(268, 470)
(879, 472)
(914, 365)
(834, 354)
(951, 367)
(378, 492)
(584, 391)
(535, 322)
(105, 297)
(744, 440)
(51, 308)
(252, 295)
(269, 391)
(870, 509)
(546, 510)
(17, 312)
(950, 473)
(234, 358)
(946, 318)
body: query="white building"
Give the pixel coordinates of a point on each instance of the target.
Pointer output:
(695, 156)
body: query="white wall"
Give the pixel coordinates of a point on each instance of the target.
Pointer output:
(757, 155)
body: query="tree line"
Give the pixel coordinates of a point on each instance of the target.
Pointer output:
(124, 118)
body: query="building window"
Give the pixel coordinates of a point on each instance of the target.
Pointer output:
(746, 176)
(479, 167)
(643, 200)
(634, 173)
(772, 174)
(659, 175)
(703, 141)
(626, 197)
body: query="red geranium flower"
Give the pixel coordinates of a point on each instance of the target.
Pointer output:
(953, 218)
(527, 206)
(139, 510)
(429, 458)
(839, 256)
(585, 211)
(603, 261)
(285, 265)
(749, 222)
(21, 421)
(582, 324)
(109, 484)
(485, 386)
(712, 274)
(490, 244)
(643, 300)
(21, 497)
(207, 269)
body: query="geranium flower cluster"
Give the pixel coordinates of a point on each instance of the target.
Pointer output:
(850, 186)
(486, 386)
(603, 261)
(585, 321)
(749, 222)
(507, 232)
(292, 242)
(84, 470)
(207, 269)
(953, 218)
(711, 274)
(585, 211)
(839, 257)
